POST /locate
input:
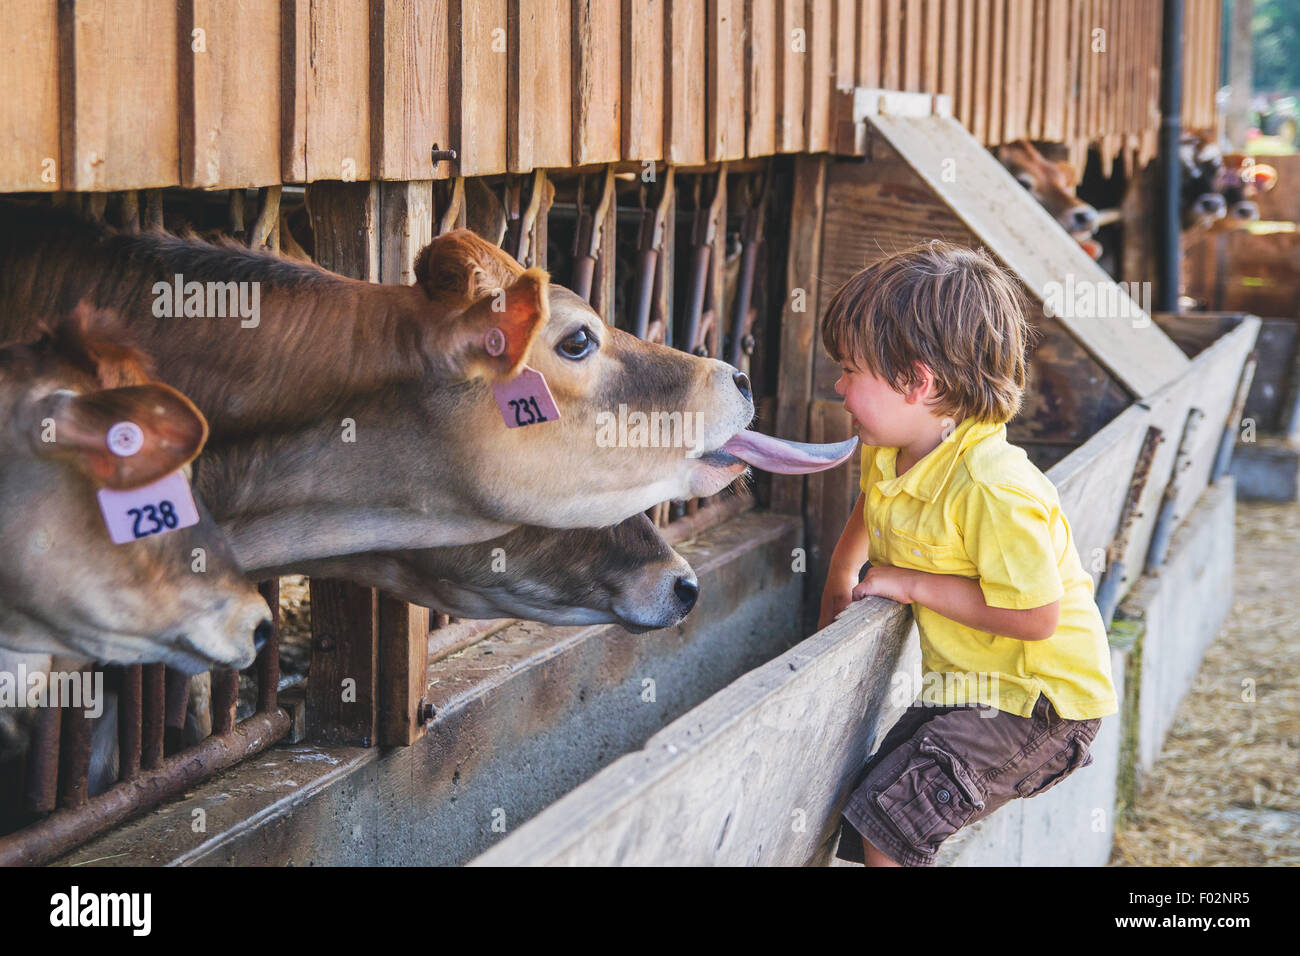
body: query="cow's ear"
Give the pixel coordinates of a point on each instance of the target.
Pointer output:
(492, 337)
(1068, 172)
(461, 266)
(119, 437)
(1265, 177)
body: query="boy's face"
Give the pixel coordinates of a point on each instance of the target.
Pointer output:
(882, 415)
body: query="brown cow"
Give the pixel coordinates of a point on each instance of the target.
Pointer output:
(405, 371)
(1053, 185)
(626, 574)
(65, 587)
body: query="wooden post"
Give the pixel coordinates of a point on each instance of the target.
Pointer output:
(343, 686)
(799, 337)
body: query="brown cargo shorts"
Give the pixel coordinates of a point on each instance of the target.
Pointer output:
(942, 768)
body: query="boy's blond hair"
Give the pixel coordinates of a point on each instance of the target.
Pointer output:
(947, 306)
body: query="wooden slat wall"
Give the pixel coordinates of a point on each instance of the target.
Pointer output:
(306, 90)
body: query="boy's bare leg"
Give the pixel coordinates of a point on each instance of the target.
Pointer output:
(874, 857)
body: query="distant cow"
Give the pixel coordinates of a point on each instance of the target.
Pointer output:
(1053, 184)
(1219, 190)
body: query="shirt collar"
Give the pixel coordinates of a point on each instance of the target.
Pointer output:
(927, 478)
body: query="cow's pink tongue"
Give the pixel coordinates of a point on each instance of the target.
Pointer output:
(788, 457)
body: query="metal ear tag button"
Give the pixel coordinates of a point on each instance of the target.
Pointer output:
(125, 439)
(494, 341)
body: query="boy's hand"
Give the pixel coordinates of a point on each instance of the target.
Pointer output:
(888, 582)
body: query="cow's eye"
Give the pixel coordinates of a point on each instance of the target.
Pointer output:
(578, 344)
(1026, 181)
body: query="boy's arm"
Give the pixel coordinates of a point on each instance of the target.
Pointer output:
(961, 600)
(851, 553)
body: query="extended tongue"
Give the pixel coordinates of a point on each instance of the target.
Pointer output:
(788, 457)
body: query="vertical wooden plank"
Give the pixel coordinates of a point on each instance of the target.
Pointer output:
(643, 83)
(845, 31)
(1018, 69)
(891, 51)
(539, 118)
(597, 71)
(791, 70)
(1038, 68)
(821, 72)
(764, 64)
(29, 110)
(997, 68)
(799, 340)
(966, 69)
(948, 25)
(229, 70)
(405, 227)
(725, 100)
(342, 692)
(328, 136)
(870, 43)
(980, 80)
(119, 116)
(411, 109)
(403, 670)
(1056, 77)
(931, 51)
(913, 38)
(479, 84)
(685, 80)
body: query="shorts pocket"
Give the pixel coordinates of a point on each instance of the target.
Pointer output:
(1074, 755)
(933, 799)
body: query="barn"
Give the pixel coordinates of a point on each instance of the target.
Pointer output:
(703, 173)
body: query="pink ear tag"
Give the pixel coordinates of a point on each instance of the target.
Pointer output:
(525, 399)
(166, 505)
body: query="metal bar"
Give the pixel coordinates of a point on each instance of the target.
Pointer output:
(1223, 458)
(268, 662)
(43, 762)
(1108, 591)
(176, 700)
(225, 695)
(1169, 251)
(128, 724)
(153, 685)
(65, 829)
(1165, 522)
(74, 757)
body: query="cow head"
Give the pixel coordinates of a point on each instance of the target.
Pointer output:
(1241, 181)
(65, 587)
(639, 423)
(626, 574)
(1052, 184)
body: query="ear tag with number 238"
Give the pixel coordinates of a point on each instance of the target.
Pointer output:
(165, 505)
(525, 399)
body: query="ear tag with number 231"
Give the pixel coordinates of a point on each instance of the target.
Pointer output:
(525, 399)
(165, 505)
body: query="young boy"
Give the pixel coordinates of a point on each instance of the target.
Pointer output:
(959, 524)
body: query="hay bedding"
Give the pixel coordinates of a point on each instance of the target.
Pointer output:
(1226, 789)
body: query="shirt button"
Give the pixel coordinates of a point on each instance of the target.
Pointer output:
(915, 552)
(876, 531)
(944, 796)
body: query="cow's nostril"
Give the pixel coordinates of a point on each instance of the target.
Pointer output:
(261, 635)
(1085, 218)
(687, 591)
(742, 383)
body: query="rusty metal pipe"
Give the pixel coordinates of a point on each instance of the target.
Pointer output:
(154, 688)
(128, 724)
(65, 829)
(225, 696)
(43, 762)
(268, 663)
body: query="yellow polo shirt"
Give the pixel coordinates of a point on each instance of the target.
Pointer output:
(976, 507)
